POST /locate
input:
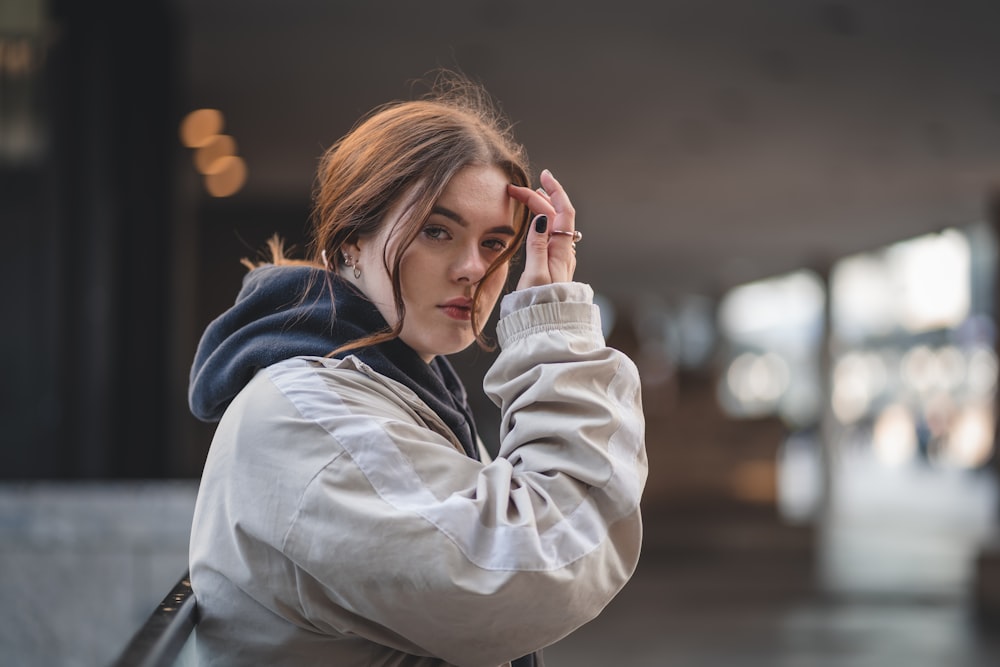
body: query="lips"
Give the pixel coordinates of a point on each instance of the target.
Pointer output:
(459, 308)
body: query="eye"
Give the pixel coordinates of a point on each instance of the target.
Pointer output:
(496, 245)
(436, 233)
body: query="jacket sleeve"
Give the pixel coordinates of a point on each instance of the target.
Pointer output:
(479, 563)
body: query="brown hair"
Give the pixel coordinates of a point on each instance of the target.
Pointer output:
(416, 146)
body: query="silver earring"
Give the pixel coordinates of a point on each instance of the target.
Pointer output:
(350, 262)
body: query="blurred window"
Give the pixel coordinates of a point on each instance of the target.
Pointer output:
(772, 331)
(913, 360)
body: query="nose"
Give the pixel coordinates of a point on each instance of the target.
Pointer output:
(469, 265)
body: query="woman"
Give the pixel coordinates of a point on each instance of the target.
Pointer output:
(347, 513)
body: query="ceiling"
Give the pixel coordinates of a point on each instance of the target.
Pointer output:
(704, 142)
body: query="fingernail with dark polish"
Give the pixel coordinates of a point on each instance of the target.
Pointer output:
(541, 224)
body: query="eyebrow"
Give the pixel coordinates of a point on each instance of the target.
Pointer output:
(452, 215)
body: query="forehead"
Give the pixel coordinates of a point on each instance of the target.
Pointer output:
(479, 193)
(480, 181)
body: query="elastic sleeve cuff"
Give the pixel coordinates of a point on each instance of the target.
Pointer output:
(566, 307)
(555, 292)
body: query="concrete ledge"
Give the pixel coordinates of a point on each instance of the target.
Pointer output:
(82, 565)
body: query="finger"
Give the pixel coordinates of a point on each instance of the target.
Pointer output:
(536, 254)
(562, 249)
(564, 223)
(560, 202)
(534, 200)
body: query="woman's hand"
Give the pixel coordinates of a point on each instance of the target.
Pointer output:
(550, 251)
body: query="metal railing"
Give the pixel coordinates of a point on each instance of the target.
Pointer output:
(160, 639)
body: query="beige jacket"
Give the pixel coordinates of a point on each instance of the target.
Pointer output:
(339, 522)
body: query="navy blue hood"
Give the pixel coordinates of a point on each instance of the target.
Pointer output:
(287, 311)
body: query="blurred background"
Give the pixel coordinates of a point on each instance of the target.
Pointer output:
(790, 219)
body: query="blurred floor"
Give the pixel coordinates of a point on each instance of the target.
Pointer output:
(714, 615)
(885, 582)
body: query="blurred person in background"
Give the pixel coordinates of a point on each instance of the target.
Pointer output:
(348, 513)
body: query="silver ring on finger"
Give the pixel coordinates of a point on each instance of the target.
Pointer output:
(577, 235)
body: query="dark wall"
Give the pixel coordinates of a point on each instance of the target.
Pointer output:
(84, 365)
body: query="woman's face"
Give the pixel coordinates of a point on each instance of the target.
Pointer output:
(469, 226)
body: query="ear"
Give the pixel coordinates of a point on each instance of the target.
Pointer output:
(352, 247)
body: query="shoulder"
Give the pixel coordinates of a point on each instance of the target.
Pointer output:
(317, 386)
(341, 396)
(297, 417)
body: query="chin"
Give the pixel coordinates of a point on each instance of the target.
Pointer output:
(457, 347)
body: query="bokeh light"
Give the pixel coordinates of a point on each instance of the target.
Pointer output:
(894, 438)
(199, 126)
(227, 176)
(218, 147)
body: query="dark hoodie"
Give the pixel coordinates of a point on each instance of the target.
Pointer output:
(286, 311)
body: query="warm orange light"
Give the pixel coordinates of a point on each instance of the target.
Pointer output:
(199, 126)
(227, 176)
(219, 146)
(755, 481)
